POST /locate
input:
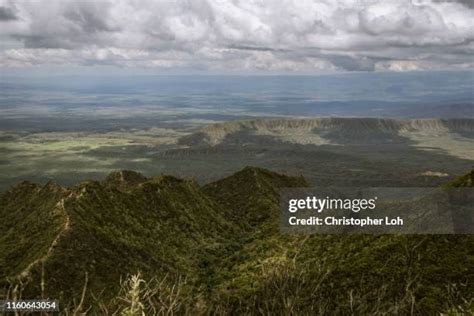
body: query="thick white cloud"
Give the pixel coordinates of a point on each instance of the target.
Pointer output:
(228, 35)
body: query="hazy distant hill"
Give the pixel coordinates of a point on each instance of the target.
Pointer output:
(321, 131)
(325, 150)
(224, 238)
(332, 151)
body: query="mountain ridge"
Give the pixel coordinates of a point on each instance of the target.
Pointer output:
(224, 238)
(150, 227)
(252, 194)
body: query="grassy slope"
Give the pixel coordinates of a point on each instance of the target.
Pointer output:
(225, 237)
(465, 181)
(345, 274)
(156, 226)
(31, 220)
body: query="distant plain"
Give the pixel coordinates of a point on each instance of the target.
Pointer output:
(69, 129)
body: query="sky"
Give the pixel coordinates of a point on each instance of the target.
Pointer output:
(236, 36)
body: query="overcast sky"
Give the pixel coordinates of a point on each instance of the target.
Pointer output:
(299, 36)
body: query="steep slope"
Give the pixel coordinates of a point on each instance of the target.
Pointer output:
(106, 230)
(252, 194)
(224, 237)
(341, 274)
(32, 219)
(250, 199)
(465, 181)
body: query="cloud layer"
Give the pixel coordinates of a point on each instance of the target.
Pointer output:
(240, 35)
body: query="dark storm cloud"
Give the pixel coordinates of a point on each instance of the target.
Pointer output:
(289, 35)
(353, 64)
(35, 41)
(467, 3)
(7, 14)
(89, 19)
(254, 48)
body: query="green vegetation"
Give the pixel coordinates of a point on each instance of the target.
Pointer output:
(163, 245)
(341, 273)
(328, 151)
(466, 181)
